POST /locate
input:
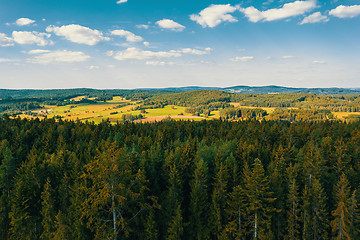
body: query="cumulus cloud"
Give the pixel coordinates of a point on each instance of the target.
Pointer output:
(318, 62)
(24, 37)
(287, 57)
(59, 56)
(93, 67)
(287, 10)
(194, 51)
(130, 37)
(78, 34)
(159, 63)
(121, 1)
(139, 54)
(315, 18)
(214, 15)
(346, 11)
(144, 26)
(146, 44)
(6, 60)
(24, 21)
(171, 25)
(5, 41)
(38, 51)
(242, 59)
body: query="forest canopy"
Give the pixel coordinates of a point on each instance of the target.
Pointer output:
(179, 180)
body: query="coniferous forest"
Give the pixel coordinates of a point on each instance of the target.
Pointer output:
(179, 180)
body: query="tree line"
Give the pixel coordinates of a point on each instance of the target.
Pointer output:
(179, 180)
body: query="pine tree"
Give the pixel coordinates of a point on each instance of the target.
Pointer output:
(354, 215)
(114, 193)
(199, 202)
(62, 230)
(7, 172)
(151, 230)
(315, 217)
(277, 177)
(342, 214)
(176, 226)
(258, 202)
(25, 217)
(236, 213)
(218, 201)
(293, 212)
(47, 212)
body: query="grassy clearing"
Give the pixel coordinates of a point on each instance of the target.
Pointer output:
(77, 99)
(267, 109)
(167, 110)
(342, 115)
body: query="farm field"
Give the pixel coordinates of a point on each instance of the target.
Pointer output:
(343, 115)
(112, 110)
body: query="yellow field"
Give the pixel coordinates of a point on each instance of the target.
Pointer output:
(111, 110)
(342, 115)
(77, 99)
(267, 109)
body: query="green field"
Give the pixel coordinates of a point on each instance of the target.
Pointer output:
(110, 110)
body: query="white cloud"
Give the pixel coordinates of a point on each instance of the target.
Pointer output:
(138, 54)
(5, 41)
(5, 60)
(170, 24)
(346, 11)
(93, 67)
(214, 15)
(130, 37)
(318, 62)
(159, 63)
(287, 10)
(38, 51)
(110, 53)
(146, 44)
(242, 59)
(287, 57)
(59, 56)
(144, 26)
(24, 21)
(78, 34)
(24, 37)
(315, 18)
(194, 51)
(121, 1)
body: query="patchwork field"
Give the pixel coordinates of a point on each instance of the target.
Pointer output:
(114, 110)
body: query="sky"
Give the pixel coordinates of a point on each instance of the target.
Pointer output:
(126, 44)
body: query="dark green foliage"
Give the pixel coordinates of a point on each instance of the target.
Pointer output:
(178, 180)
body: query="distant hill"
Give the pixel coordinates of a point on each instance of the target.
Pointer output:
(269, 90)
(278, 89)
(69, 93)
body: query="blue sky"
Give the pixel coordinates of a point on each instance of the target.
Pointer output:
(142, 43)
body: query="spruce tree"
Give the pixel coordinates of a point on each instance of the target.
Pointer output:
(341, 224)
(199, 202)
(47, 212)
(218, 201)
(258, 202)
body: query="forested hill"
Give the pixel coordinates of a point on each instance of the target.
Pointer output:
(272, 90)
(279, 89)
(69, 93)
(179, 180)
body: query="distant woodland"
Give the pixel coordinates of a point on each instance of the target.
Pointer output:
(216, 179)
(291, 107)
